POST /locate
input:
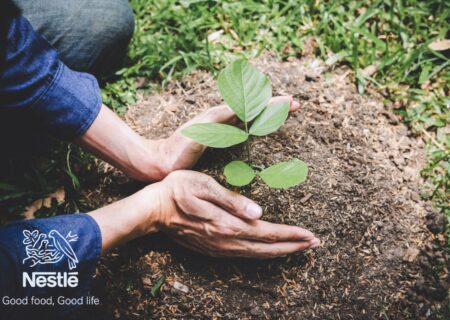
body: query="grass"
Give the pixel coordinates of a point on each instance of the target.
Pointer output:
(172, 38)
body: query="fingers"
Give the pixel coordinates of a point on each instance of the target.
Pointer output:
(227, 223)
(223, 224)
(294, 105)
(201, 209)
(232, 202)
(224, 114)
(219, 114)
(231, 247)
(273, 250)
(215, 221)
(263, 231)
(270, 232)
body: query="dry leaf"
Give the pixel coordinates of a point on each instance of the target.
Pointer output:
(35, 206)
(234, 35)
(47, 202)
(314, 69)
(181, 287)
(141, 82)
(171, 105)
(440, 45)
(59, 195)
(411, 254)
(214, 36)
(369, 71)
(146, 282)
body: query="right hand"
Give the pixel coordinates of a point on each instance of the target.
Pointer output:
(200, 214)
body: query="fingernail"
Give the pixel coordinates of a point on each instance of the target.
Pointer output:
(314, 243)
(253, 211)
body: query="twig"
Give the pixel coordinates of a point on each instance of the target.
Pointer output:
(440, 146)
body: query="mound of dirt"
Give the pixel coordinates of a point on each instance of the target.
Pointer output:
(361, 199)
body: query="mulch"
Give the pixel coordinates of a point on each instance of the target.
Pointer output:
(382, 253)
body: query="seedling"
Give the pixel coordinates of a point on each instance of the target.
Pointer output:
(247, 91)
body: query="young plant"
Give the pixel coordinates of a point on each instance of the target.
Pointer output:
(247, 91)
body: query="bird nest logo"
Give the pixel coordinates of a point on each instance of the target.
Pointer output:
(42, 248)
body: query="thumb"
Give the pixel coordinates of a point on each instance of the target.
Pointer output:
(219, 114)
(232, 202)
(293, 104)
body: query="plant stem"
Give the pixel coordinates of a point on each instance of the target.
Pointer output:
(247, 145)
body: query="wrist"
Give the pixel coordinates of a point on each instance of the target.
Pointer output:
(146, 160)
(151, 202)
(131, 217)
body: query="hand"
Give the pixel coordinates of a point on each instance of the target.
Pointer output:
(114, 141)
(200, 214)
(179, 152)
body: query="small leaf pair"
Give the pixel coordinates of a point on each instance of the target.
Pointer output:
(281, 175)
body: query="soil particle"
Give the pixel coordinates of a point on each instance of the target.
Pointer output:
(360, 198)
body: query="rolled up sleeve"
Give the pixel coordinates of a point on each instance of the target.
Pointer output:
(36, 85)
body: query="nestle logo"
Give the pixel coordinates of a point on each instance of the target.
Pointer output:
(50, 279)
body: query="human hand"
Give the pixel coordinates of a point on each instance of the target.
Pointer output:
(114, 141)
(200, 214)
(179, 152)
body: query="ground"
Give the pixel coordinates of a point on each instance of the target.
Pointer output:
(382, 250)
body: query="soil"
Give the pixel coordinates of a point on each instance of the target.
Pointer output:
(382, 253)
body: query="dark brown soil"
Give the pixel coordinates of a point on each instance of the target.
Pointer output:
(378, 260)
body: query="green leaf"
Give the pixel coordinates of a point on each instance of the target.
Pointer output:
(215, 135)
(245, 89)
(285, 174)
(271, 119)
(238, 173)
(157, 285)
(425, 74)
(7, 187)
(14, 195)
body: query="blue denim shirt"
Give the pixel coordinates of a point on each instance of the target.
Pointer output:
(35, 84)
(44, 258)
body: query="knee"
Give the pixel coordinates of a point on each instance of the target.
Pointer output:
(116, 25)
(111, 34)
(89, 35)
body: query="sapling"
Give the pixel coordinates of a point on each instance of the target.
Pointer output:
(247, 91)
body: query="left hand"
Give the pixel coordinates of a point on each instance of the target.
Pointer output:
(180, 152)
(112, 140)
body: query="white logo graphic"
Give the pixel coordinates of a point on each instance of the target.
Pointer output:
(49, 248)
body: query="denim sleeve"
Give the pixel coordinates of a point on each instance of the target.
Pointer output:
(43, 259)
(35, 84)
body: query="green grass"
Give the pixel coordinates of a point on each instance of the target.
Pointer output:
(171, 40)
(52, 165)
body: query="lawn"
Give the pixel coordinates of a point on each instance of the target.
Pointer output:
(393, 47)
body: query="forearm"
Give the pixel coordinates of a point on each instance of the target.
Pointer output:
(130, 217)
(114, 141)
